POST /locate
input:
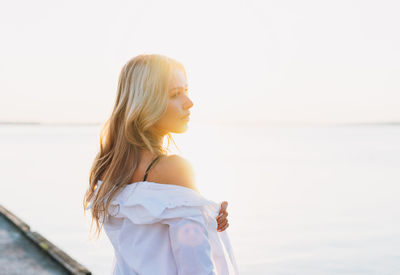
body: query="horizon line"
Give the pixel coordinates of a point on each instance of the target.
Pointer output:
(41, 123)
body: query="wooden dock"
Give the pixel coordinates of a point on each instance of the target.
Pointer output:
(25, 252)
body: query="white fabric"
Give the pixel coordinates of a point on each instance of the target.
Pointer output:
(166, 229)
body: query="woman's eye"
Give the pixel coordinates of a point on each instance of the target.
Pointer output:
(179, 92)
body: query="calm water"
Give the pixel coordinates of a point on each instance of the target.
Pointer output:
(302, 200)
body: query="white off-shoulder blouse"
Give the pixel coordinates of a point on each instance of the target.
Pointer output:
(163, 229)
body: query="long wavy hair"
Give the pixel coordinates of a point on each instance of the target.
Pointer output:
(141, 100)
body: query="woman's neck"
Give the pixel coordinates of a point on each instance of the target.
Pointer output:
(158, 135)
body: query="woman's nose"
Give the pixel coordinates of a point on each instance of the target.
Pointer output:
(188, 103)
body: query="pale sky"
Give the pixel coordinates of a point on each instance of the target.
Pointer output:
(306, 61)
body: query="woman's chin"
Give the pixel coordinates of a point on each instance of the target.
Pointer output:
(180, 129)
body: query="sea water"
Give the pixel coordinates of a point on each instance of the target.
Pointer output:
(302, 199)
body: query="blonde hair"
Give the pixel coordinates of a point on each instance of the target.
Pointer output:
(142, 98)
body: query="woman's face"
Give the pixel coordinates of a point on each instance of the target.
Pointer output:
(176, 116)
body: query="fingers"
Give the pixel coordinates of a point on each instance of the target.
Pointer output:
(223, 223)
(222, 217)
(223, 227)
(224, 205)
(222, 214)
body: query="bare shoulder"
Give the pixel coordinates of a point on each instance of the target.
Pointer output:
(177, 170)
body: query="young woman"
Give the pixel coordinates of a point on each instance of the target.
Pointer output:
(156, 219)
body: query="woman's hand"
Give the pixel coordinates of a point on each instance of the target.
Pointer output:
(222, 217)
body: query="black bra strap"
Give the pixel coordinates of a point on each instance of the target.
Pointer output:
(148, 168)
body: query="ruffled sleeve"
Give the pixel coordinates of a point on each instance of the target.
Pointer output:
(147, 203)
(197, 246)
